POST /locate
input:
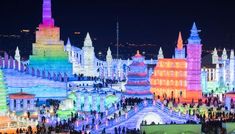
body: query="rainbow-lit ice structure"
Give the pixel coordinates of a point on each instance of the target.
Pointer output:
(48, 50)
(137, 79)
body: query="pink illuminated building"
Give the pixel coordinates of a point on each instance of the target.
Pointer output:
(194, 51)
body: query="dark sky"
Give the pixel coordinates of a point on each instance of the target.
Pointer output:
(141, 21)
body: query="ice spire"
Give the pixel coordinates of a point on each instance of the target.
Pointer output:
(215, 56)
(215, 52)
(47, 19)
(17, 54)
(68, 45)
(160, 53)
(109, 59)
(109, 51)
(224, 54)
(194, 37)
(180, 42)
(109, 54)
(232, 54)
(88, 41)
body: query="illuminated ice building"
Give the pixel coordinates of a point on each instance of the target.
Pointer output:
(220, 71)
(50, 54)
(137, 78)
(45, 74)
(85, 62)
(48, 50)
(180, 77)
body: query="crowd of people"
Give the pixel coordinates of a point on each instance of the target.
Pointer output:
(211, 111)
(132, 101)
(211, 108)
(29, 130)
(216, 114)
(124, 130)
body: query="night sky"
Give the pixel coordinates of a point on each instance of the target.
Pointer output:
(141, 21)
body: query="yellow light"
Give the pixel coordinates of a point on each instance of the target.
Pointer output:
(25, 31)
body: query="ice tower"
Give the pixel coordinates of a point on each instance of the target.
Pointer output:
(48, 50)
(194, 50)
(109, 60)
(89, 57)
(137, 79)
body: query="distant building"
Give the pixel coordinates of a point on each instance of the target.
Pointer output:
(220, 70)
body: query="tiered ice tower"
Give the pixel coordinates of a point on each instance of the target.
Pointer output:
(48, 51)
(3, 102)
(194, 51)
(137, 79)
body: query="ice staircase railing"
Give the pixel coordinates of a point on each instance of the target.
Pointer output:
(88, 119)
(140, 107)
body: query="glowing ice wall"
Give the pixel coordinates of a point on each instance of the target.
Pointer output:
(194, 50)
(169, 78)
(3, 102)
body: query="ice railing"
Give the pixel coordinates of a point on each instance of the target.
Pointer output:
(105, 123)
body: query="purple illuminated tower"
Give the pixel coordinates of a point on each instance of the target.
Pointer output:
(47, 19)
(194, 50)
